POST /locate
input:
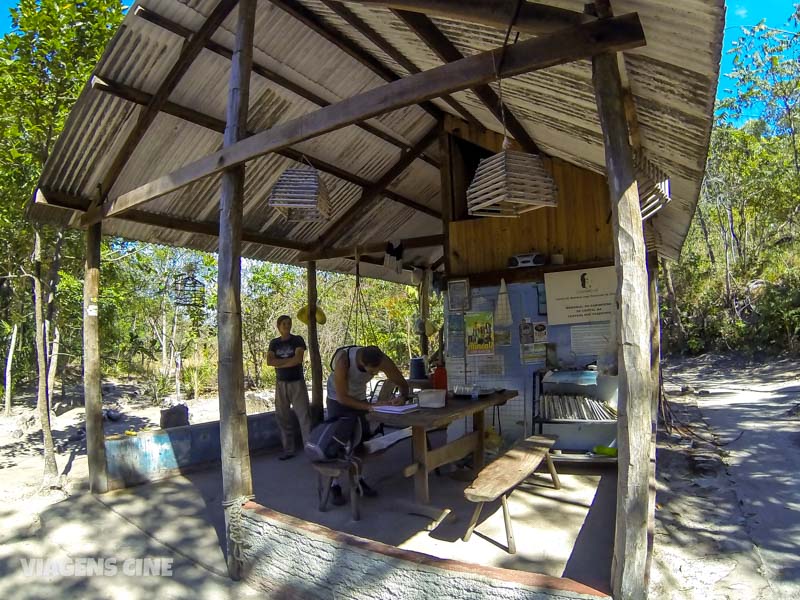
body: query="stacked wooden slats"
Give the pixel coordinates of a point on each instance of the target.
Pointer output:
(559, 407)
(509, 184)
(654, 190)
(301, 195)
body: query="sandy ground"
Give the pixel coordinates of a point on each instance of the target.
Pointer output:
(728, 504)
(728, 518)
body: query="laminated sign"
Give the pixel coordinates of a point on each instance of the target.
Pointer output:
(583, 296)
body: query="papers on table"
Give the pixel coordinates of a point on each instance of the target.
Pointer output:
(396, 410)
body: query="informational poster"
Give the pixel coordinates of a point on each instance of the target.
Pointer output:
(458, 294)
(502, 336)
(455, 335)
(531, 351)
(540, 332)
(479, 329)
(584, 296)
(490, 366)
(589, 339)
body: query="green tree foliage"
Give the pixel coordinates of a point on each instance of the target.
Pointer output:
(736, 285)
(44, 62)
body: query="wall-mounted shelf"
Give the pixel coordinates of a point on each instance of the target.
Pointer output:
(527, 273)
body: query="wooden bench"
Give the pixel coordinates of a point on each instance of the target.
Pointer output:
(499, 478)
(326, 471)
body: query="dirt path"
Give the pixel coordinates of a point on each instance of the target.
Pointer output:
(728, 524)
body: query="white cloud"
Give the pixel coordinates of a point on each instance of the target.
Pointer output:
(740, 12)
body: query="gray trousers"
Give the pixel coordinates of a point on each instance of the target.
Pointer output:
(288, 395)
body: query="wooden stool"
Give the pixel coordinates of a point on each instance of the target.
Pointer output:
(327, 471)
(501, 477)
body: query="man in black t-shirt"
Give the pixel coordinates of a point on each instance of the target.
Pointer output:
(286, 355)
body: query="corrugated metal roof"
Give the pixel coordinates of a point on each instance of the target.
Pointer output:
(673, 80)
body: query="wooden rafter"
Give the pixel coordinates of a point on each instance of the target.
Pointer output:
(428, 241)
(270, 75)
(368, 32)
(533, 18)
(368, 196)
(190, 115)
(437, 41)
(609, 35)
(209, 228)
(189, 52)
(313, 22)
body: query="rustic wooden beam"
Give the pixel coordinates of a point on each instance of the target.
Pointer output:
(580, 42)
(192, 116)
(633, 329)
(237, 477)
(427, 241)
(368, 196)
(189, 52)
(368, 32)
(209, 228)
(92, 389)
(352, 49)
(532, 18)
(655, 383)
(270, 75)
(317, 409)
(447, 52)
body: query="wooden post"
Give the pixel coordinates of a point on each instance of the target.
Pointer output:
(92, 390)
(237, 480)
(317, 411)
(424, 312)
(655, 382)
(445, 174)
(633, 429)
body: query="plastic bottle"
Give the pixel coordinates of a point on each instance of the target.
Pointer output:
(439, 378)
(474, 392)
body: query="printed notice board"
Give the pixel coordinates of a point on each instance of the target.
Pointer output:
(583, 296)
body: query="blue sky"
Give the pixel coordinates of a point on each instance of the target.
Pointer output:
(740, 13)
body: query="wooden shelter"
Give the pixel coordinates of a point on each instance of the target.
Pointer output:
(195, 109)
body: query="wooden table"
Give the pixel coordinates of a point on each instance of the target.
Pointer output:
(425, 419)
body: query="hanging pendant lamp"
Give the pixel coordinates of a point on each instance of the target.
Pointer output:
(509, 184)
(301, 195)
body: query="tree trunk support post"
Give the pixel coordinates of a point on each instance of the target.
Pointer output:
(634, 429)
(237, 478)
(317, 411)
(92, 390)
(655, 383)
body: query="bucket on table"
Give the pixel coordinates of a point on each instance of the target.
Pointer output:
(417, 368)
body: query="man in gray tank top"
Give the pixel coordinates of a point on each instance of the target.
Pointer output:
(352, 369)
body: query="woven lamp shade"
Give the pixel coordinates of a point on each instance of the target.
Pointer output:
(301, 195)
(510, 183)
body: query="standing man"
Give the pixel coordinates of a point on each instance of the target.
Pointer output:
(286, 355)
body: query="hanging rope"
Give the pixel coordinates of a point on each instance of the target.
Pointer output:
(498, 67)
(235, 532)
(359, 314)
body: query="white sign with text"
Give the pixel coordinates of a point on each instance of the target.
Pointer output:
(583, 296)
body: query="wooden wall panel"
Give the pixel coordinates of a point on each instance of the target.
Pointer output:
(578, 228)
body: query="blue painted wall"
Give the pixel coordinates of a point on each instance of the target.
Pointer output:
(153, 455)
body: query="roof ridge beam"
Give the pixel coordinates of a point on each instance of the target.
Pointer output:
(167, 24)
(190, 115)
(381, 42)
(190, 51)
(608, 35)
(356, 210)
(311, 20)
(533, 17)
(446, 50)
